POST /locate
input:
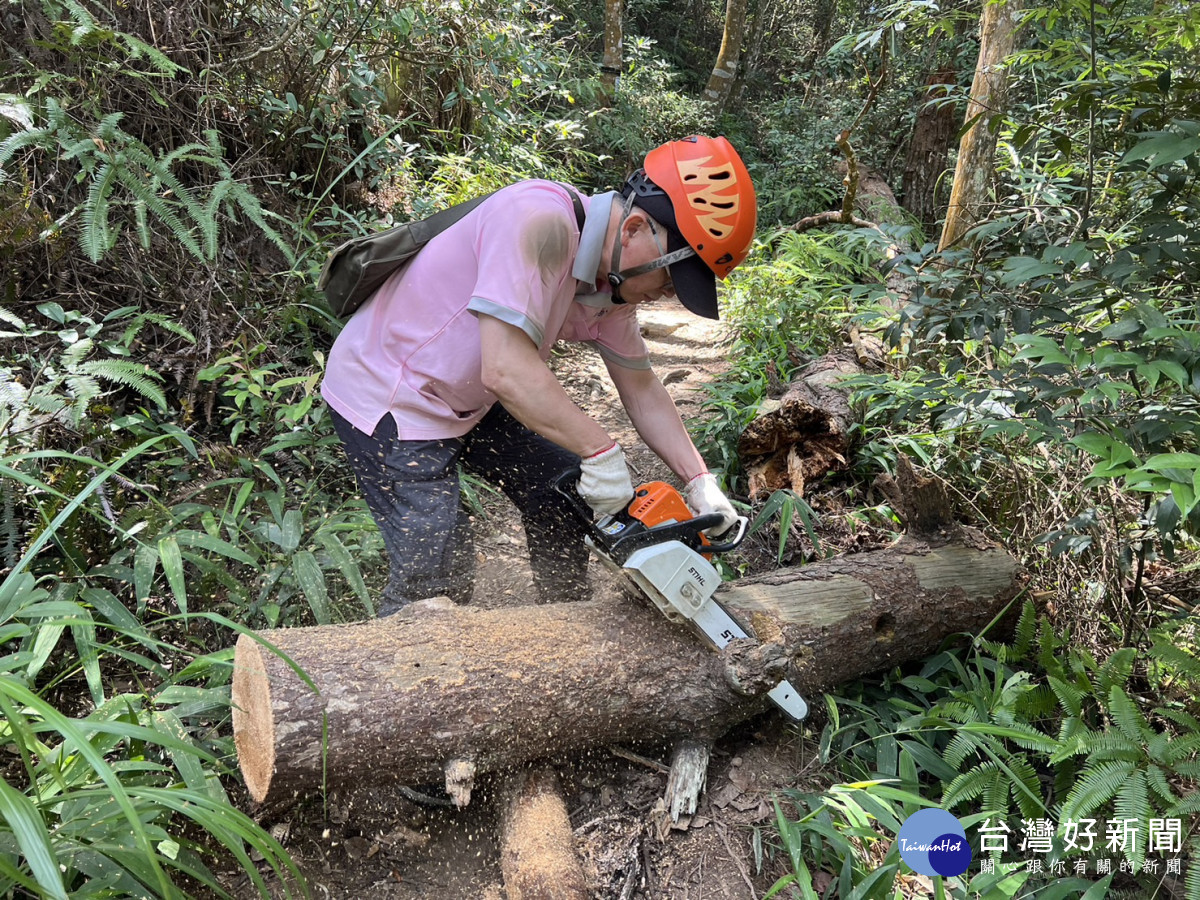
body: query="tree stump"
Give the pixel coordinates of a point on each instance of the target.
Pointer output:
(798, 438)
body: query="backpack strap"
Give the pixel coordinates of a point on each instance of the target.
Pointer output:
(580, 215)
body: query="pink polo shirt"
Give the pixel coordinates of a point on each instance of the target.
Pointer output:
(413, 349)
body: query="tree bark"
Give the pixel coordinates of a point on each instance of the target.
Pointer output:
(416, 695)
(720, 82)
(929, 150)
(614, 47)
(977, 149)
(537, 846)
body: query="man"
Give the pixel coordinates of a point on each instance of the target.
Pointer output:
(445, 366)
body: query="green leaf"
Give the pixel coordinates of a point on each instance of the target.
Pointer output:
(1163, 149)
(213, 545)
(33, 838)
(172, 563)
(349, 568)
(312, 581)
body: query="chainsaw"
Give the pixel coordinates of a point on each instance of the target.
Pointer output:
(660, 546)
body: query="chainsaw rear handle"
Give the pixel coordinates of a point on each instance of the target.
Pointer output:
(567, 484)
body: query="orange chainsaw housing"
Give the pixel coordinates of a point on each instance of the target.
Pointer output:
(657, 503)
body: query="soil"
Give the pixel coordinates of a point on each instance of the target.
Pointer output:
(376, 841)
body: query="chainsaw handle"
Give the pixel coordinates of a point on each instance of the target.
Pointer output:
(737, 529)
(566, 483)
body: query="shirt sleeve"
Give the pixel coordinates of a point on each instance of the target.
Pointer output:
(525, 243)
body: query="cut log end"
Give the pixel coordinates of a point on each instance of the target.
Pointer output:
(253, 718)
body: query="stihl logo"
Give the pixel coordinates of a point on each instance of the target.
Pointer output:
(697, 575)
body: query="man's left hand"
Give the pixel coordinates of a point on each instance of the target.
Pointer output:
(704, 496)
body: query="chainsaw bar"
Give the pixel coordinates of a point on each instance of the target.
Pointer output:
(681, 582)
(659, 546)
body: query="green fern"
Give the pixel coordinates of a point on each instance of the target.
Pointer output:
(1133, 802)
(1096, 786)
(137, 377)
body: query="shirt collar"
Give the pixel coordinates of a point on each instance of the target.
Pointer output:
(591, 245)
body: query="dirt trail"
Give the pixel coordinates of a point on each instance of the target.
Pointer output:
(374, 842)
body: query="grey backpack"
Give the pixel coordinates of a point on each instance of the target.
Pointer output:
(353, 271)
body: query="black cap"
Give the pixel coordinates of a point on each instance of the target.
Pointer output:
(695, 283)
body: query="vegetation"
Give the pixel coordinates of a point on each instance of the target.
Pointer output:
(171, 179)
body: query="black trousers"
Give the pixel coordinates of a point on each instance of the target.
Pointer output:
(412, 490)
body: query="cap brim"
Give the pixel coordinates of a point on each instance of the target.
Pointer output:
(695, 283)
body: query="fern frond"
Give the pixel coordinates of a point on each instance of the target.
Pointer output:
(969, 785)
(1133, 802)
(1178, 658)
(996, 795)
(15, 321)
(1072, 740)
(144, 191)
(1188, 806)
(1022, 734)
(166, 323)
(958, 711)
(1097, 785)
(1180, 748)
(76, 353)
(83, 389)
(1025, 632)
(252, 209)
(961, 746)
(37, 138)
(1189, 769)
(1026, 788)
(142, 222)
(97, 238)
(1157, 779)
(1070, 698)
(1106, 745)
(139, 49)
(1126, 715)
(1186, 721)
(139, 378)
(1116, 669)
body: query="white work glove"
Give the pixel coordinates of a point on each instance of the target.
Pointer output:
(604, 482)
(704, 497)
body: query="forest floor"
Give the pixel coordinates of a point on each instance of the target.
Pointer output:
(374, 842)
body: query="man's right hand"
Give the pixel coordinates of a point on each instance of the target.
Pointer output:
(604, 482)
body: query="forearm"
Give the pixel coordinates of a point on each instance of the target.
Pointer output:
(653, 413)
(513, 371)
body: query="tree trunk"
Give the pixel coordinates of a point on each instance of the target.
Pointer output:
(929, 150)
(440, 688)
(720, 83)
(614, 44)
(977, 149)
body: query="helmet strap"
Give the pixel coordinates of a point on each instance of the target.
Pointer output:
(617, 276)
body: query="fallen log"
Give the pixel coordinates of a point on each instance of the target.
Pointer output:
(440, 690)
(537, 846)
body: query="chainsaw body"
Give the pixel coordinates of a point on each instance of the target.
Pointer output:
(660, 546)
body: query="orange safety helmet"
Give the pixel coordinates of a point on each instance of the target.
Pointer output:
(700, 190)
(712, 195)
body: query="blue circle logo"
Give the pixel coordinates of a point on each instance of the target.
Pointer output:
(933, 842)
